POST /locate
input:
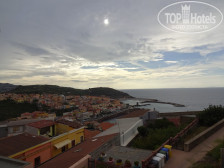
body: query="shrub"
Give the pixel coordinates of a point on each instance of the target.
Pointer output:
(211, 115)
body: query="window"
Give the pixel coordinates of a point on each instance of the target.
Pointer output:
(81, 139)
(63, 149)
(73, 143)
(16, 129)
(37, 161)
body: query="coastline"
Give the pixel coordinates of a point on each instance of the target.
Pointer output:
(145, 102)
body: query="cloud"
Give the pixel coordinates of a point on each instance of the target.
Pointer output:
(68, 44)
(34, 51)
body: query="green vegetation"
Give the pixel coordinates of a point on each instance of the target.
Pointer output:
(53, 89)
(154, 135)
(212, 158)
(211, 115)
(12, 109)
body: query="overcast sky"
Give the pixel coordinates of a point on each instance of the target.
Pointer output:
(108, 43)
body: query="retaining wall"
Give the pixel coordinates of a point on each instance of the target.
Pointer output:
(190, 144)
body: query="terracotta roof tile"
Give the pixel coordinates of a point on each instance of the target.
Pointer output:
(14, 144)
(106, 125)
(42, 124)
(88, 134)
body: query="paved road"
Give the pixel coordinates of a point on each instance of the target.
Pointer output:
(181, 159)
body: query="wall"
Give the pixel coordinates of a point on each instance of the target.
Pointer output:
(62, 128)
(129, 134)
(32, 130)
(15, 130)
(82, 163)
(202, 136)
(3, 131)
(43, 150)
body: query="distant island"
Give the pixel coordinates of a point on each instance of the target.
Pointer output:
(54, 89)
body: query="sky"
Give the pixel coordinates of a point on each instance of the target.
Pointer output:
(105, 43)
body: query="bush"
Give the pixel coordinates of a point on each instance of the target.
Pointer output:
(211, 115)
(143, 131)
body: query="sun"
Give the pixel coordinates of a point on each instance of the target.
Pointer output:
(106, 21)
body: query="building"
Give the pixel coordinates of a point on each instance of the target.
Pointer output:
(43, 127)
(63, 142)
(19, 126)
(78, 156)
(17, 143)
(38, 153)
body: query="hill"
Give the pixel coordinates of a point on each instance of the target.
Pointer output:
(54, 89)
(11, 109)
(4, 87)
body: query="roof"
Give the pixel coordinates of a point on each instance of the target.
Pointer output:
(106, 125)
(6, 162)
(135, 113)
(72, 124)
(88, 134)
(73, 155)
(42, 124)
(122, 125)
(22, 122)
(14, 144)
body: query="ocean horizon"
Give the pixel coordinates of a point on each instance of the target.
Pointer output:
(194, 99)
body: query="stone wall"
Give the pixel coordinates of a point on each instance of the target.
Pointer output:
(190, 144)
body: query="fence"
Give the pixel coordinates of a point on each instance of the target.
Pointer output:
(171, 141)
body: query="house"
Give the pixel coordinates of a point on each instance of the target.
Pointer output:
(42, 127)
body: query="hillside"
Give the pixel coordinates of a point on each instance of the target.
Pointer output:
(11, 109)
(53, 89)
(4, 87)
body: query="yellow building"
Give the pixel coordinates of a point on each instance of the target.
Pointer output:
(67, 140)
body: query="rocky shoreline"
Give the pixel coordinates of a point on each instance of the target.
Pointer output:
(145, 102)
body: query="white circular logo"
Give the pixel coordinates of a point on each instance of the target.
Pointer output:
(190, 17)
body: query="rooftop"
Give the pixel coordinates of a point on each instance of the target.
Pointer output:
(14, 144)
(73, 155)
(22, 122)
(12, 163)
(135, 113)
(42, 124)
(106, 125)
(72, 124)
(88, 134)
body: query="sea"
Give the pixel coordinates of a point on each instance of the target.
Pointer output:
(194, 99)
